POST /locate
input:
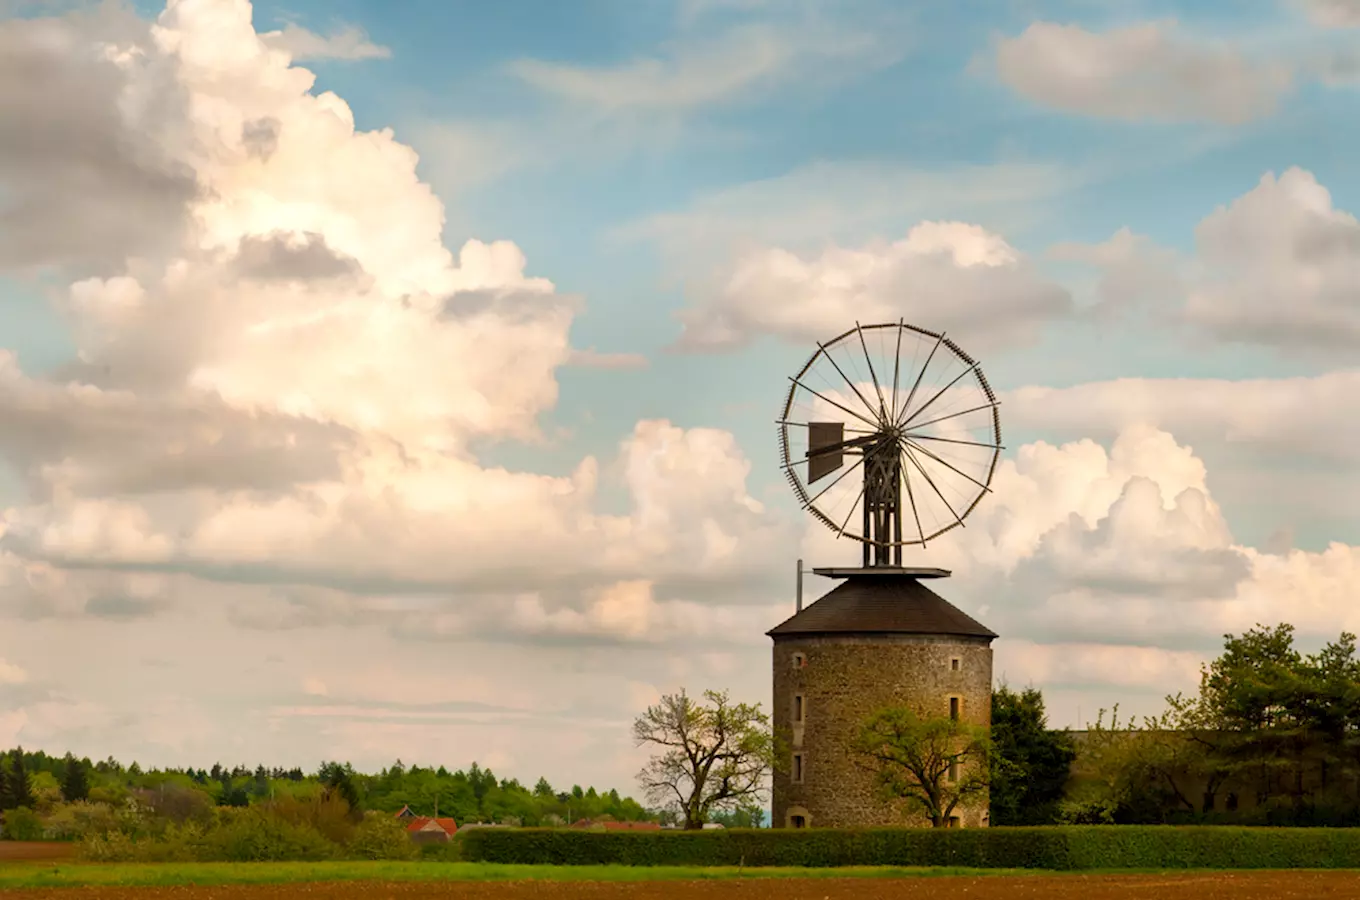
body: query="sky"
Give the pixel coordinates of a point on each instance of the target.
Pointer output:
(398, 381)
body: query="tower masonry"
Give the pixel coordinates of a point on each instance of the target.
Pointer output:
(879, 639)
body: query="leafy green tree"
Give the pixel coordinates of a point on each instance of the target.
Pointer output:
(930, 764)
(75, 781)
(712, 755)
(23, 824)
(1105, 774)
(1267, 712)
(1030, 764)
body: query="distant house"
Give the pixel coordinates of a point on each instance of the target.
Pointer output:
(588, 824)
(632, 826)
(427, 829)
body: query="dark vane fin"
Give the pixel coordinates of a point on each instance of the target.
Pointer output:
(821, 460)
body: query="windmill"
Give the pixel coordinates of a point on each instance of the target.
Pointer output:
(889, 436)
(911, 413)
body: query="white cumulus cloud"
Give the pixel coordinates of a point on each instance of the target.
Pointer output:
(953, 275)
(1144, 71)
(347, 43)
(1279, 266)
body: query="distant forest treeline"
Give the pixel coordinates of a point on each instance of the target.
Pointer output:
(38, 780)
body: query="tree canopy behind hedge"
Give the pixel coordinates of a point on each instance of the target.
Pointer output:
(472, 795)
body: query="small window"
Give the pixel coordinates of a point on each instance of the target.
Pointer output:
(955, 822)
(799, 661)
(1231, 802)
(954, 770)
(798, 821)
(954, 664)
(797, 707)
(954, 708)
(798, 768)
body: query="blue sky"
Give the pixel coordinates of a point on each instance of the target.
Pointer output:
(1093, 198)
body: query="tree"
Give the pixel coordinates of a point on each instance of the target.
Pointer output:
(23, 824)
(1030, 764)
(1266, 712)
(747, 814)
(932, 765)
(45, 790)
(18, 789)
(339, 781)
(75, 781)
(712, 755)
(1264, 717)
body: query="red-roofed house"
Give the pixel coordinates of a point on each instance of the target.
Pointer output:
(427, 829)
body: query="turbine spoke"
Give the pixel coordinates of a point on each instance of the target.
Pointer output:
(840, 532)
(948, 466)
(911, 497)
(897, 416)
(991, 405)
(809, 425)
(867, 405)
(897, 364)
(939, 393)
(882, 412)
(835, 404)
(857, 464)
(930, 481)
(931, 437)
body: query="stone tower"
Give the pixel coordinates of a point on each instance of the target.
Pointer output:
(881, 638)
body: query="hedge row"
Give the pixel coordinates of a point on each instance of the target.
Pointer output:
(1053, 848)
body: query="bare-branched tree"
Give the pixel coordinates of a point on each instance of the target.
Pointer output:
(712, 755)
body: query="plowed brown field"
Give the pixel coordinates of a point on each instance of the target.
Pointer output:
(1237, 886)
(25, 850)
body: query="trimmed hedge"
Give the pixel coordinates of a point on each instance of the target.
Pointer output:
(1053, 848)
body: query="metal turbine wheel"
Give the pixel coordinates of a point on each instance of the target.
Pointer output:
(918, 419)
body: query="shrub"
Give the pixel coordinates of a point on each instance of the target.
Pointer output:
(243, 835)
(112, 847)
(176, 803)
(380, 836)
(257, 836)
(329, 815)
(1072, 847)
(74, 821)
(23, 824)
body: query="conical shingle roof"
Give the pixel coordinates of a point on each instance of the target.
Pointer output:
(878, 605)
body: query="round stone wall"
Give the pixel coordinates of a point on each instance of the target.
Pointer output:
(840, 681)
